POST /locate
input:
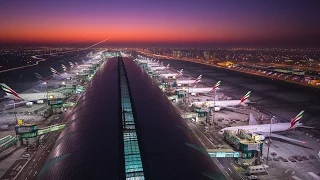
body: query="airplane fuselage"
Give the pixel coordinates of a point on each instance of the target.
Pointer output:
(169, 75)
(158, 68)
(36, 96)
(262, 128)
(224, 103)
(196, 90)
(180, 82)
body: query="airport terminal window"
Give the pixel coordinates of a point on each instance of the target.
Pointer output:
(132, 157)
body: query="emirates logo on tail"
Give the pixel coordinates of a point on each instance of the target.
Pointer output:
(9, 91)
(216, 85)
(245, 97)
(180, 72)
(198, 79)
(296, 119)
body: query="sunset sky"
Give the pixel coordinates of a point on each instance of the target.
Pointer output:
(212, 22)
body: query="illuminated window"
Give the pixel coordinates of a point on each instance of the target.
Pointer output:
(132, 157)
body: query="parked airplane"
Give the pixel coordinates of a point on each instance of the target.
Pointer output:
(11, 94)
(218, 105)
(174, 75)
(264, 129)
(55, 72)
(64, 75)
(189, 82)
(194, 90)
(160, 67)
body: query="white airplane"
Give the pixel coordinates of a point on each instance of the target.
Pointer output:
(11, 94)
(205, 90)
(189, 82)
(264, 129)
(218, 105)
(63, 75)
(174, 75)
(160, 68)
(153, 65)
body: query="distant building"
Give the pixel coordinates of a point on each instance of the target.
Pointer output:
(206, 55)
(177, 54)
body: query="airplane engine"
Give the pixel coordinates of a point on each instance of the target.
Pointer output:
(217, 108)
(262, 137)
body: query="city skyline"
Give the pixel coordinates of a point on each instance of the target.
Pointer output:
(204, 23)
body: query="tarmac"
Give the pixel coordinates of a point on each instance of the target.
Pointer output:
(287, 159)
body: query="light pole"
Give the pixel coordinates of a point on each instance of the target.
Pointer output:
(214, 105)
(15, 112)
(46, 83)
(214, 99)
(269, 143)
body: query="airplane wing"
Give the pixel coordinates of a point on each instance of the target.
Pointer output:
(281, 137)
(252, 120)
(308, 127)
(17, 103)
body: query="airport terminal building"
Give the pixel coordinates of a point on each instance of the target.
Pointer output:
(124, 127)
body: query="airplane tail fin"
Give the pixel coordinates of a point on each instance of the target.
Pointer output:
(252, 120)
(245, 97)
(180, 72)
(296, 119)
(9, 91)
(64, 67)
(41, 78)
(198, 79)
(216, 86)
(71, 64)
(55, 71)
(168, 65)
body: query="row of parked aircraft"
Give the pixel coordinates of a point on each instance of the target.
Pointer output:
(262, 129)
(70, 73)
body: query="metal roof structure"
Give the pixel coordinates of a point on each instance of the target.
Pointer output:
(124, 127)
